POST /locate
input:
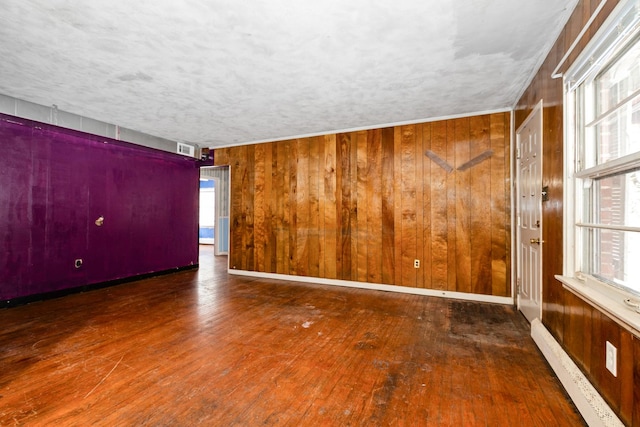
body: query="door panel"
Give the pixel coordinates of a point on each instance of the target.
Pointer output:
(529, 213)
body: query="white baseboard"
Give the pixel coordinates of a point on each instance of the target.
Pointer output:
(591, 405)
(378, 287)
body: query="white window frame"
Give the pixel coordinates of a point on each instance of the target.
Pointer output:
(620, 304)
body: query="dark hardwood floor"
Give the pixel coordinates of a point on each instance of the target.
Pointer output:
(204, 348)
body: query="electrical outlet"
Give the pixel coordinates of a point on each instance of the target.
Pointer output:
(416, 263)
(611, 359)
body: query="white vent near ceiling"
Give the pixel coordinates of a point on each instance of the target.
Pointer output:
(186, 150)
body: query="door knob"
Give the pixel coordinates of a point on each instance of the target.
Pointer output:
(99, 221)
(537, 241)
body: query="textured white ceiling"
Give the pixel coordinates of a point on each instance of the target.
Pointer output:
(222, 72)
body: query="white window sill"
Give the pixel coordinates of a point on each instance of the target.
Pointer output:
(606, 298)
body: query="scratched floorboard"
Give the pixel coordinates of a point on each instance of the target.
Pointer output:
(205, 348)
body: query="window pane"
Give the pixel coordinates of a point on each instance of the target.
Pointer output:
(607, 117)
(619, 134)
(616, 255)
(616, 200)
(619, 81)
(207, 207)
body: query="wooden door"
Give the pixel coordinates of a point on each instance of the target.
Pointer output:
(529, 214)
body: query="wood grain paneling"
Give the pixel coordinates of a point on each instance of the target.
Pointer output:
(330, 209)
(603, 330)
(408, 211)
(450, 191)
(582, 329)
(438, 245)
(462, 206)
(293, 206)
(397, 205)
(315, 156)
(625, 371)
(353, 222)
(303, 210)
(500, 215)
(552, 227)
(344, 211)
(238, 170)
(248, 209)
(388, 202)
(379, 261)
(362, 195)
(362, 206)
(636, 382)
(282, 215)
(423, 199)
(480, 146)
(271, 157)
(578, 317)
(260, 223)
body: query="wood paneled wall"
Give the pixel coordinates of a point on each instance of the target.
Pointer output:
(580, 328)
(362, 206)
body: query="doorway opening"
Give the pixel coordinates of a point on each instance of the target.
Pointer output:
(206, 229)
(214, 209)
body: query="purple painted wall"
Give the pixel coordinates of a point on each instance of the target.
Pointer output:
(54, 183)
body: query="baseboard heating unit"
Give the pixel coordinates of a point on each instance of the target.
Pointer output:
(591, 405)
